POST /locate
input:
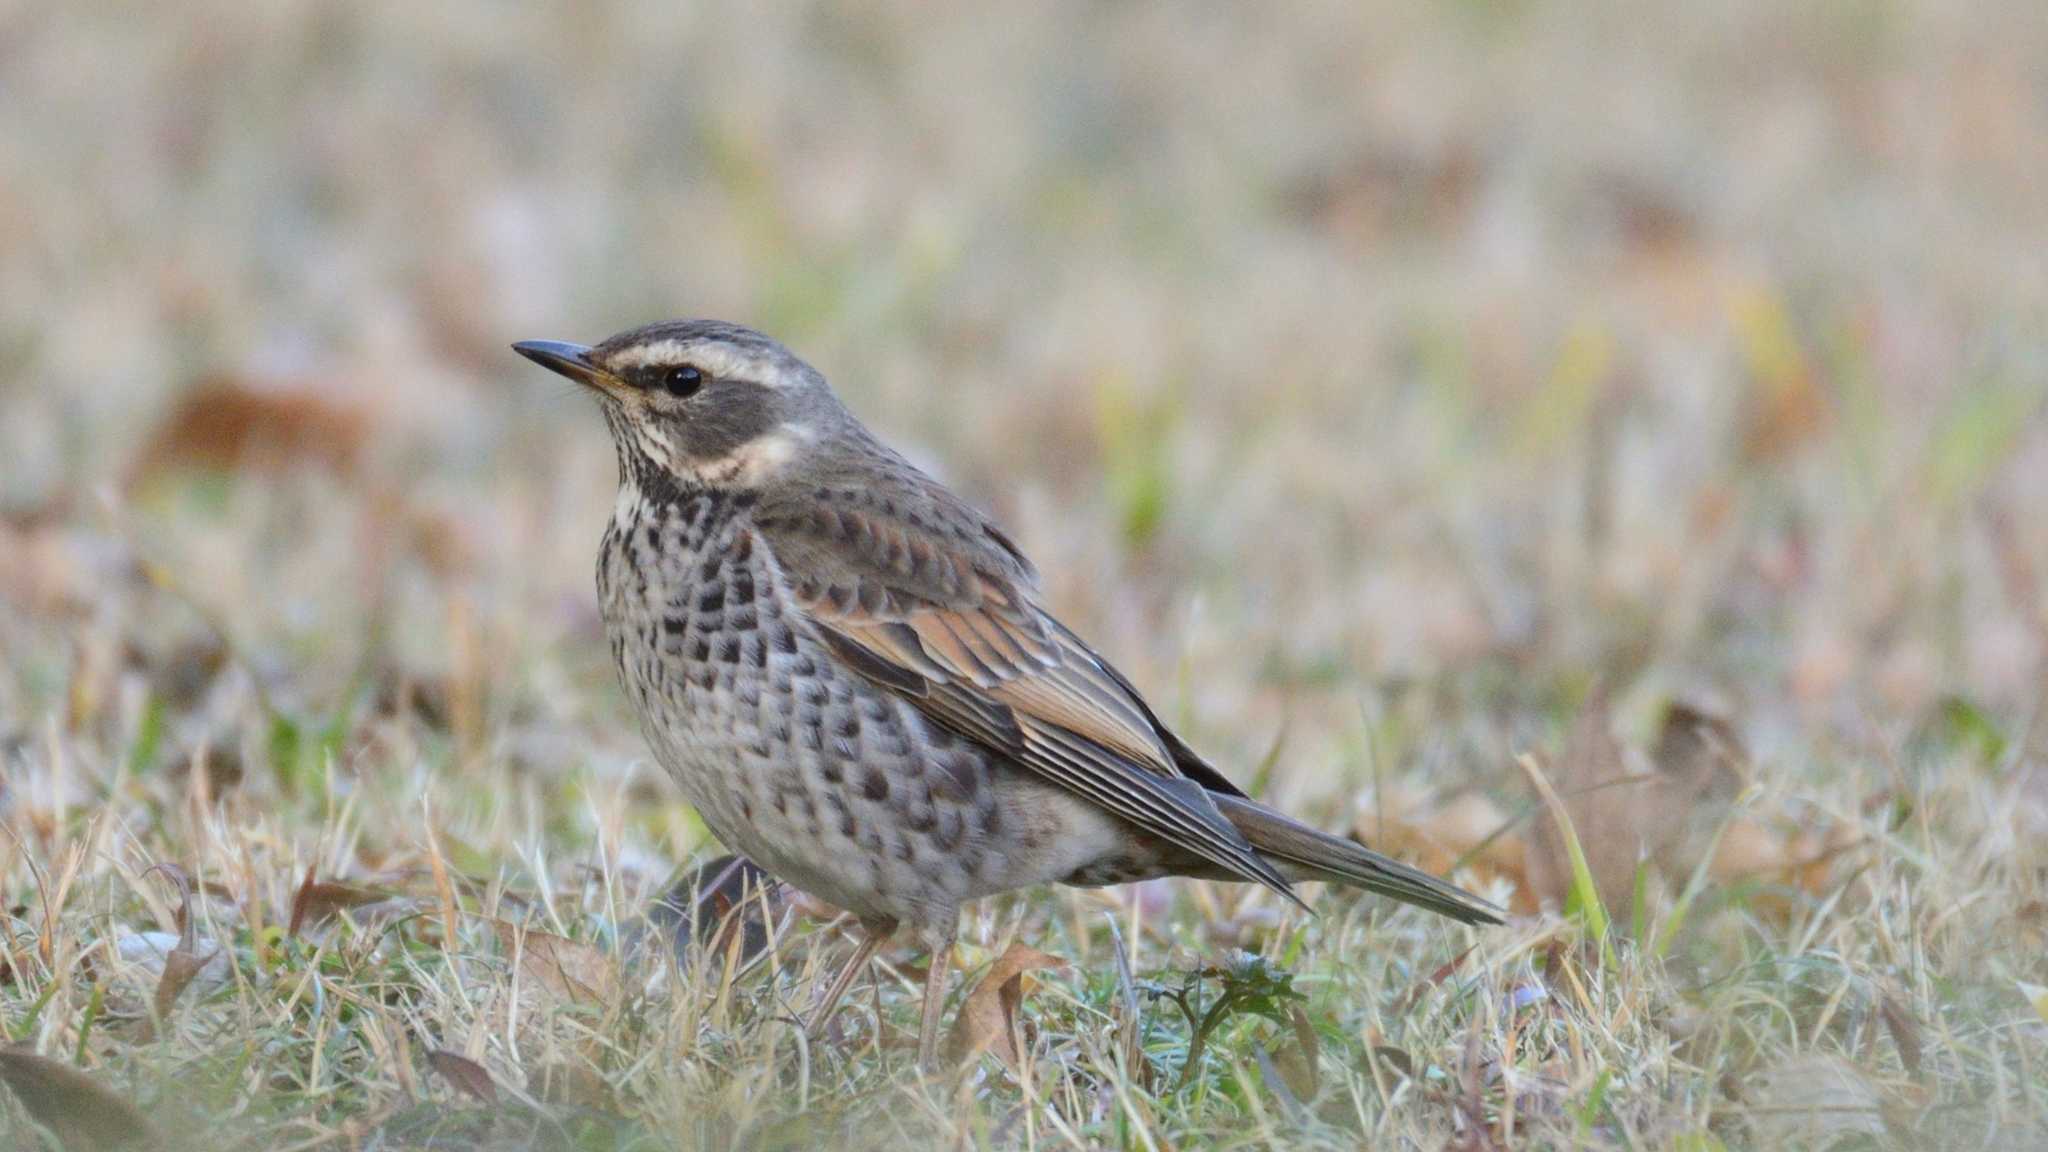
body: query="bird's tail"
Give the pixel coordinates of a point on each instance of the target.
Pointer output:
(1306, 854)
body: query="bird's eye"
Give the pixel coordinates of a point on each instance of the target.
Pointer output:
(682, 381)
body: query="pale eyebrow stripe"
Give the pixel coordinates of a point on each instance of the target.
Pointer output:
(718, 359)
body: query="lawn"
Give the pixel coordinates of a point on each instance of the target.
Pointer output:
(1595, 455)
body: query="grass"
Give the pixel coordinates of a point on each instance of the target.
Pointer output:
(1419, 404)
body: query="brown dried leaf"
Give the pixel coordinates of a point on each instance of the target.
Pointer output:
(1700, 750)
(84, 1114)
(575, 972)
(1298, 1062)
(179, 969)
(320, 900)
(1283, 1082)
(988, 1019)
(1904, 1028)
(1606, 808)
(573, 1083)
(1396, 1059)
(1793, 860)
(184, 961)
(468, 1076)
(1667, 815)
(227, 423)
(1750, 850)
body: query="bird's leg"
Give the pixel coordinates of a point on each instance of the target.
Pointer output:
(874, 933)
(935, 999)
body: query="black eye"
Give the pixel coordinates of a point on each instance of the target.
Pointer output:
(682, 381)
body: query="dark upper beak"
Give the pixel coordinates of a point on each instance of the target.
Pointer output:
(571, 360)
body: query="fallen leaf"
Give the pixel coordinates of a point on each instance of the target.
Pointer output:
(1396, 1059)
(83, 1113)
(1299, 1062)
(1748, 849)
(573, 1083)
(226, 423)
(151, 953)
(988, 1019)
(1667, 815)
(1791, 861)
(1281, 1083)
(468, 1076)
(183, 961)
(573, 971)
(1700, 750)
(1904, 1028)
(320, 900)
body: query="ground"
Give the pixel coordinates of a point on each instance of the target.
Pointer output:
(1598, 453)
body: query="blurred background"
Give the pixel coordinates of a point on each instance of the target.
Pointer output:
(1361, 347)
(1389, 389)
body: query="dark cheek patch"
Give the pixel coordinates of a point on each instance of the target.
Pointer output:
(724, 418)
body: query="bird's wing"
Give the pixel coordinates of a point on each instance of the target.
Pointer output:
(933, 603)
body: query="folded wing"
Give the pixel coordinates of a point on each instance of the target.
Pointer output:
(920, 595)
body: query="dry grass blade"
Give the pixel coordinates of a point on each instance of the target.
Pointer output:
(988, 1019)
(84, 1114)
(1129, 1021)
(468, 1076)
(1442, 973)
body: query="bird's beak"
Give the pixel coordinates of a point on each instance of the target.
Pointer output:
(571, 360)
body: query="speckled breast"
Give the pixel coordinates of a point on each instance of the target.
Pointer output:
(804, 768)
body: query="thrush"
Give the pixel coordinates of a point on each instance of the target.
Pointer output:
(851, 673)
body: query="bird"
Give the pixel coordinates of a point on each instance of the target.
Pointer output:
(853, 676)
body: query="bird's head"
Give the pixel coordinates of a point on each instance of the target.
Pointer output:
(699, 402)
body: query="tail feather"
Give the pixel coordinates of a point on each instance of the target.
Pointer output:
(1304, 853)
